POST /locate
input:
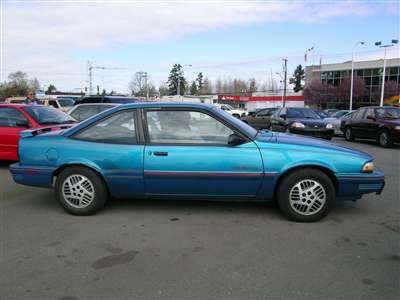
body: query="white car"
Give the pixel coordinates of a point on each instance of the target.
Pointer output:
(336, 120)
(233, 111)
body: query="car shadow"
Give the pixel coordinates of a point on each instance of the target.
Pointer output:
(4, 164)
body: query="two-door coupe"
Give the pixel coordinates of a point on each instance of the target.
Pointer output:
(15, 118)
(175, 150)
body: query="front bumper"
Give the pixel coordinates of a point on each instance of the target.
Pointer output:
(353, 186)
(315, 132)
(33, 176)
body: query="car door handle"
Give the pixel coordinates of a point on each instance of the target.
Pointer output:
(156, 153)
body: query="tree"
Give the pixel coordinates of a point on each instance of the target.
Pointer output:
(51, 89)
(207, 87)
(252, 85)
(200, 83)
(343, 90)
(34, 84)
(17, 85)
(176, 78)
(298, 79)
(163, 90)
(314, 92)
(137, 85)
(193, 89)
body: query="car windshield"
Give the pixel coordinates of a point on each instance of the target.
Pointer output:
(46, 115)
(302, 113)
(340, 113)
(242, 125)
(66, 102)
(388, 113)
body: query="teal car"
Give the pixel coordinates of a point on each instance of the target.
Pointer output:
(190, 151)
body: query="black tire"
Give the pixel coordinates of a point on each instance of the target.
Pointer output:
(348, 134)
(236, 116)
(384, 139)
(291, 209)
(91, 183)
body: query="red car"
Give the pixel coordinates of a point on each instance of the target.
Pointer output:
(15, 118)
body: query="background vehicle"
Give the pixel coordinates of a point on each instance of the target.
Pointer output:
(321, 113)
(302, 121)
(260, 119)
(330, 111)
(84, 111)
(15, 118)
(336, 120)
(379, 123)
(15, 100)
(191, 151)
(63, 104)
(106, 99)
(237, 113)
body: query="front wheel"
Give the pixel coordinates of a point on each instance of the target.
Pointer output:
(348, 134)
(384, 139)
(80, 191)
(306, 195)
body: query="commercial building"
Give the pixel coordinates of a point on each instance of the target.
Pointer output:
(370, 71)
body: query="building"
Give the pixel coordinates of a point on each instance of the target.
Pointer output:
(371, 71)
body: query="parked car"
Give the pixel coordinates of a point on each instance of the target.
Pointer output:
(63, 104)
(302, 121)
(336, 120)
(176, 150)
(321, 113)
(261, 119)
(15, 100)
(237, 113)
(378, 123)
(84, 111)
(14, 118)
(106, 99)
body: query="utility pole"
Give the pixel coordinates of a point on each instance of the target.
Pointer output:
(352, 74)
(145, 76)
(284, 80)
(90, 72)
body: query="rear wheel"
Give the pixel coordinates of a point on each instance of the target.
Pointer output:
(384, 139)
(348, 134)
(80, 191)
(306, 195)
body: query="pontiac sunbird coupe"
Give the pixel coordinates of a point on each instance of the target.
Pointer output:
(190, 151)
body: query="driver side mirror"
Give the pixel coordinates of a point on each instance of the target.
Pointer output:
(235, 139)
(22, 123)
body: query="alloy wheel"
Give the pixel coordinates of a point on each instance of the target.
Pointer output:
(78, 191)
(307, 197)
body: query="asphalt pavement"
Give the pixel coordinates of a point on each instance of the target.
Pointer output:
(146, 249)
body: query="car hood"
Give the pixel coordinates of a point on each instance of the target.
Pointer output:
(298, 140)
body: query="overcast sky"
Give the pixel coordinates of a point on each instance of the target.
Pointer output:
(53, 40)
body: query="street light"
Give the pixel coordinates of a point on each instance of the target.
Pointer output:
(280, 75)
(379, 44)
(352, 74)
(179, 79)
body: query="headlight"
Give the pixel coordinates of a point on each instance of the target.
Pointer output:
(397, 127)
(368, 167)
(329, 126)
(298, 125)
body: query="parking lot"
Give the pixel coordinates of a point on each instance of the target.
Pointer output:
(146, 249)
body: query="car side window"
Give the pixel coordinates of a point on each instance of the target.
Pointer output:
(116, 129)
(185, 127)
(264, 113)
(53, 103)
(358, 114)
(10, 116)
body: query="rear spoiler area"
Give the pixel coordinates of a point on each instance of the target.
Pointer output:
(35, 132)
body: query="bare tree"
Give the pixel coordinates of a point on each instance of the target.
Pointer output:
(137, 85)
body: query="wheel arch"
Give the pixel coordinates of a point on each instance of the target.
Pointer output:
(82, 165)
(291, 170)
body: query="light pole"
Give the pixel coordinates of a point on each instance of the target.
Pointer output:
(280, 75)
(178, 92)
(379, 44)
(352, 74)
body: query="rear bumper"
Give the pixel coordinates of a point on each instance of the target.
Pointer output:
(315, 132)
(34, 176)
(353, 186)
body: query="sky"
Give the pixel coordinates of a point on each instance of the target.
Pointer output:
(54, 40)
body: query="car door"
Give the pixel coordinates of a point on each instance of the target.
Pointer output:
(12, 122)
(187, 154)
(370, 125)
(261, 119)
(358, 123)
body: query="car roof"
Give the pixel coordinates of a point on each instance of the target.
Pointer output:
(13, 104)
(167, 104)
(102, 104)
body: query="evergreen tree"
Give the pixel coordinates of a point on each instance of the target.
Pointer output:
(51, 89)
(176, 78)
(298, 79)
(193, 89)
(252, 85)
(200, 83)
